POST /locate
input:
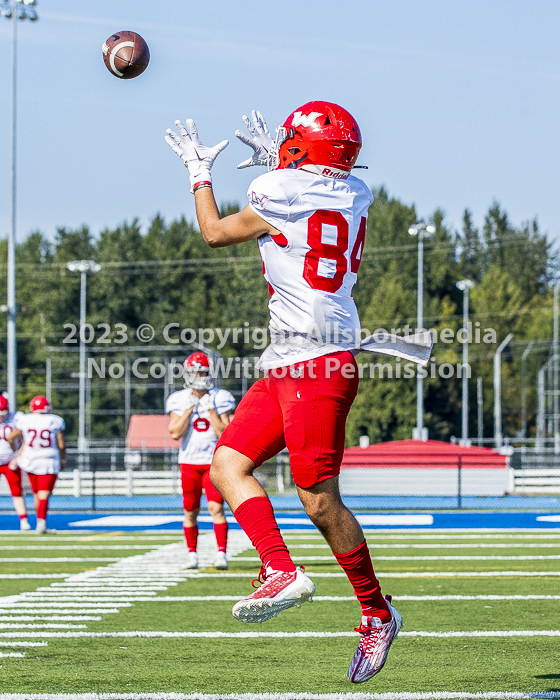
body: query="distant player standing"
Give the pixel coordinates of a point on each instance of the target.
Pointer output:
(13, 476)
(309, 216)
(42, 453)
(199, 414)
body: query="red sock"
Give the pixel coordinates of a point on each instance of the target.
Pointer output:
(42, 509)
(191, 536)
(256, 517)
(359, 569)
(220, 531)
(23, 517)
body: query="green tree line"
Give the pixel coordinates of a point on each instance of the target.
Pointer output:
(167, 274)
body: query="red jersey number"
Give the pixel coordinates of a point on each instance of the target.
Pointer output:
(45, 438)
(329, 251)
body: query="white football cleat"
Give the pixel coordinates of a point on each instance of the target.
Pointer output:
(24, 525)
(280, 590)
(192, 561)
(220, 562)
(41, 527)
(374, 645)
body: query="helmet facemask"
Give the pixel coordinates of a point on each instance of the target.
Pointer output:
(197, 372)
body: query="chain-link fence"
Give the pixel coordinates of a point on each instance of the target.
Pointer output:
(115, 478)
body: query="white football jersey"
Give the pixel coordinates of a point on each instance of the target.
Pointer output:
(6, 427)
(312, 267)
(40, 454)
(199, 443)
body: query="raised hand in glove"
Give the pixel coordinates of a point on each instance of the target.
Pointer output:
(207, 402)
(198, 158)
(191, 402)
(259, 140)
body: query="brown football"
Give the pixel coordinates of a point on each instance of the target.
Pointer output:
(126, 54)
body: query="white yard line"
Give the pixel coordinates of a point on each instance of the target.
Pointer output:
(439, 545)
(19, 610)
(458, 557)
(56, 560)
(12, 655)
(54, 547)
(390, 574)
(271, 635)
(23, 644)
(441, 695)
(50, 618)
(343, 598)
(31, 576)
(47, 625)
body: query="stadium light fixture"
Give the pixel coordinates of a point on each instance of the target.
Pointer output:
(83, 267)
(420, 229)
(13, 9)
(465, 286)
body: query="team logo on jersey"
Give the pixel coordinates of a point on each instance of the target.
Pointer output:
(296, 372)
(305, 119)
(258, 199)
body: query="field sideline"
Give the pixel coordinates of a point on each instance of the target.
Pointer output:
(88, 614)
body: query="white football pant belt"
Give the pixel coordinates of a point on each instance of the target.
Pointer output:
(415, 348)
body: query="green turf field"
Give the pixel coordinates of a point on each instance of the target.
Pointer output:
(116, 613)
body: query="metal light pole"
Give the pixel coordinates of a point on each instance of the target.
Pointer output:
(83, 267)
(420, 229)
(498, 390)
(555, 369)
(13, 10)
(465, 286)
(480, 411)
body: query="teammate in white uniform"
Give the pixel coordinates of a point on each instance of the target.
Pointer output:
(309, 216)
(13, 476)
(42, 453)
(199, 414)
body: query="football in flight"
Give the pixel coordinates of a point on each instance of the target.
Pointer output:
(126, 55)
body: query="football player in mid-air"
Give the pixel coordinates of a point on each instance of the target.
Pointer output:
(42, 453)
(13, 476)
(198, 415)
(308, 214)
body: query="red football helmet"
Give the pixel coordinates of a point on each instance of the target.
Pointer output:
(320, 137)
(3, 407)
(193, 368)
(40, 403)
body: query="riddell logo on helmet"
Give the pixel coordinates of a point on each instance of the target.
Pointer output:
(307, 120)
(337, 174)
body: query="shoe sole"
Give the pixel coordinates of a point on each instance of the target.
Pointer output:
(262, 609)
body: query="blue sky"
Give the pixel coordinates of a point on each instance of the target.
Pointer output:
(457, 101)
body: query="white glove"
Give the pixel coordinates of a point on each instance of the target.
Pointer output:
(197, 157)
(260, 140)
(207, 402)
(191, 402)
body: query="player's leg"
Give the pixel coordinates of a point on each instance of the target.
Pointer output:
(13, 477)
(315, 432)
(216, 510)
(254, 436)
(44, 485)
(191, 483)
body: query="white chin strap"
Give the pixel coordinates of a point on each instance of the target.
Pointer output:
(326, 171)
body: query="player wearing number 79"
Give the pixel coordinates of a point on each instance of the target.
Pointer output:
(42, 453)
(308, 214)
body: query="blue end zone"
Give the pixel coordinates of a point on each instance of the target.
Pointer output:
(110, 521)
